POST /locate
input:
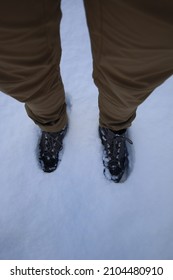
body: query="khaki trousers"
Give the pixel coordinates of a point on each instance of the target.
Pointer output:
(132, 48)
(30, 54)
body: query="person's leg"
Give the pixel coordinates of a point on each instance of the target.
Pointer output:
(30, 54)
(132, 47)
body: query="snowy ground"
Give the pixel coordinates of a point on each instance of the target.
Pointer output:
(75, 213)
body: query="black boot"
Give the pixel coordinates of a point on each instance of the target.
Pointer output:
(115, 157)
(51, 144)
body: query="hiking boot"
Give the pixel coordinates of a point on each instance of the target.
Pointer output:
(115, 157)
(51, 144)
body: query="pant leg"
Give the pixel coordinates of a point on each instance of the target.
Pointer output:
(132, 47)
(30, 54)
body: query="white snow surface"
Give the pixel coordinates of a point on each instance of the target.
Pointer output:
(74, 212)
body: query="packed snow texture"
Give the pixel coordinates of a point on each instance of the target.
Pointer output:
(74, 212)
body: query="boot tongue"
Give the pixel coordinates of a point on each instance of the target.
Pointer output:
(120, 132)
(111, 134)
(53, 134)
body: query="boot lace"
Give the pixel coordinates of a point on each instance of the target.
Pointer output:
(52, 143)
(116, 150)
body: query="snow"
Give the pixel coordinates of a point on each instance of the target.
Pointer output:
(74, 212)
